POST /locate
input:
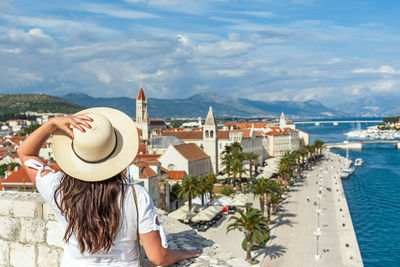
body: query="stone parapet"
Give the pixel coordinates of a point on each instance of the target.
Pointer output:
(30, 236)
(27, 233)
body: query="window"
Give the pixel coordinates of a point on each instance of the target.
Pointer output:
(207, 134)
(171, 167)
(212, 134)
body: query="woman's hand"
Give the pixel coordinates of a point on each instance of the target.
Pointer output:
(64, 123)
(187, 254)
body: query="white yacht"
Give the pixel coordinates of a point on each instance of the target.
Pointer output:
(358, 162)
(344, 175)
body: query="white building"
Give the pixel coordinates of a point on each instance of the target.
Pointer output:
(186, 157)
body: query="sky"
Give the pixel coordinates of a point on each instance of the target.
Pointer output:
(330, 51)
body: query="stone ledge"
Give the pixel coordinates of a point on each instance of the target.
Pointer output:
(32, 237)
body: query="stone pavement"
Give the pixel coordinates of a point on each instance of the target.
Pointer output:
(293, 242)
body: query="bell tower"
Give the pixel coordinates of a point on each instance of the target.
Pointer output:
(142, 117)
(210, 137)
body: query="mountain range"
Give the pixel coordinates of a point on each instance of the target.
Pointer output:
(197, 106)
(376, 106)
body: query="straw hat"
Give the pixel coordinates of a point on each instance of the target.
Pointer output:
(102, 151)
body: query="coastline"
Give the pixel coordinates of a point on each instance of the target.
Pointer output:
(293, 242)
(351, 255)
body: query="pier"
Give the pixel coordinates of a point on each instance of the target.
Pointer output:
(359, 144)
(335, 123)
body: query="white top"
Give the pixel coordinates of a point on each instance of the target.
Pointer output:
(124, 252)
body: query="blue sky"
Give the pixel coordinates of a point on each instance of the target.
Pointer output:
(331, 51)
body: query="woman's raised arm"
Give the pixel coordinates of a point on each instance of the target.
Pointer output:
(30, 148)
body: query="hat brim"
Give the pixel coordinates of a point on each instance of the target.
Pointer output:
(123, 155)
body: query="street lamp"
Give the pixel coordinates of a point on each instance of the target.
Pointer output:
(317, 234)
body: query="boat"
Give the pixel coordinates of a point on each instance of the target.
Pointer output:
(358, 162)
(344, 175)
(349, 170)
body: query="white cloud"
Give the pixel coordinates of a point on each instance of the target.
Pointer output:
(113, 11)
(230, 73)
(262, 14)
(384, 69)
(335, 60)
(384, 86)
(11, 50)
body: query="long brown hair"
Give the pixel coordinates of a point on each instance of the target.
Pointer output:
(92, 210)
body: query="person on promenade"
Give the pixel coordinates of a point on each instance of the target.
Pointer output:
(103, 217)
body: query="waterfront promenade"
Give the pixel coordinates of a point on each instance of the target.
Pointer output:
(293, 242)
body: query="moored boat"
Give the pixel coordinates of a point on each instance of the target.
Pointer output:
(358, 162)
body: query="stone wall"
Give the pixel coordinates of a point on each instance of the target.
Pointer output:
(29, 232)
(30, 236)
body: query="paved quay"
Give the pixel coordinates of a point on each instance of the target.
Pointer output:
(293, 242)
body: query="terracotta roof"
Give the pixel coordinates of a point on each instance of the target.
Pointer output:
(249, 125)
(278, 131)
(141, 95)
(176, 175)
(193, 135)
(18, 178)
(148, 156)
(142, 148)
(223, 135)
(17, 139)
(191, 152)
(145, 170)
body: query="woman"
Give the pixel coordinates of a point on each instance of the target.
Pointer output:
(90, 197)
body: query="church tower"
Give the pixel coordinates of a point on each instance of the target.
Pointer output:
(142, 117)
(282, 121)
(210, 137)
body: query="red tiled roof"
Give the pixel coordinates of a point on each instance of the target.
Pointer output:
(141, 95)
(18, 178)
(191, 152)
(176, 175)
(193, 135)
(223, 135)
(148, 156)
(17, 139)
(145, 170)
(278, 131)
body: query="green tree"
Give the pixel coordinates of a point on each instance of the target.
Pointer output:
(259, 188)
(252, 158)
(203, 187)
(273, 195)
(189, 189)
(255, 226)
(227, 191)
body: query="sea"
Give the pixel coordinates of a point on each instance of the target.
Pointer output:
(372, 193)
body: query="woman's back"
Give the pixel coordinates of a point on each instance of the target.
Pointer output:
(124, 252)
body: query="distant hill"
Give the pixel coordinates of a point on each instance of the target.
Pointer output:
(10, 104)
(377, 106)
(197, 105)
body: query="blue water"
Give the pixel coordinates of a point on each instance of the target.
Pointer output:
(373, 196)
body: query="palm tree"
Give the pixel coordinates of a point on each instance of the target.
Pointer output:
(203, 187)
(319, 145)
(236, 167)
(255, 227)
(252, 158)
(189, 189)
(227, 160)
(273, 194)
(211, 178)
(259, 189)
